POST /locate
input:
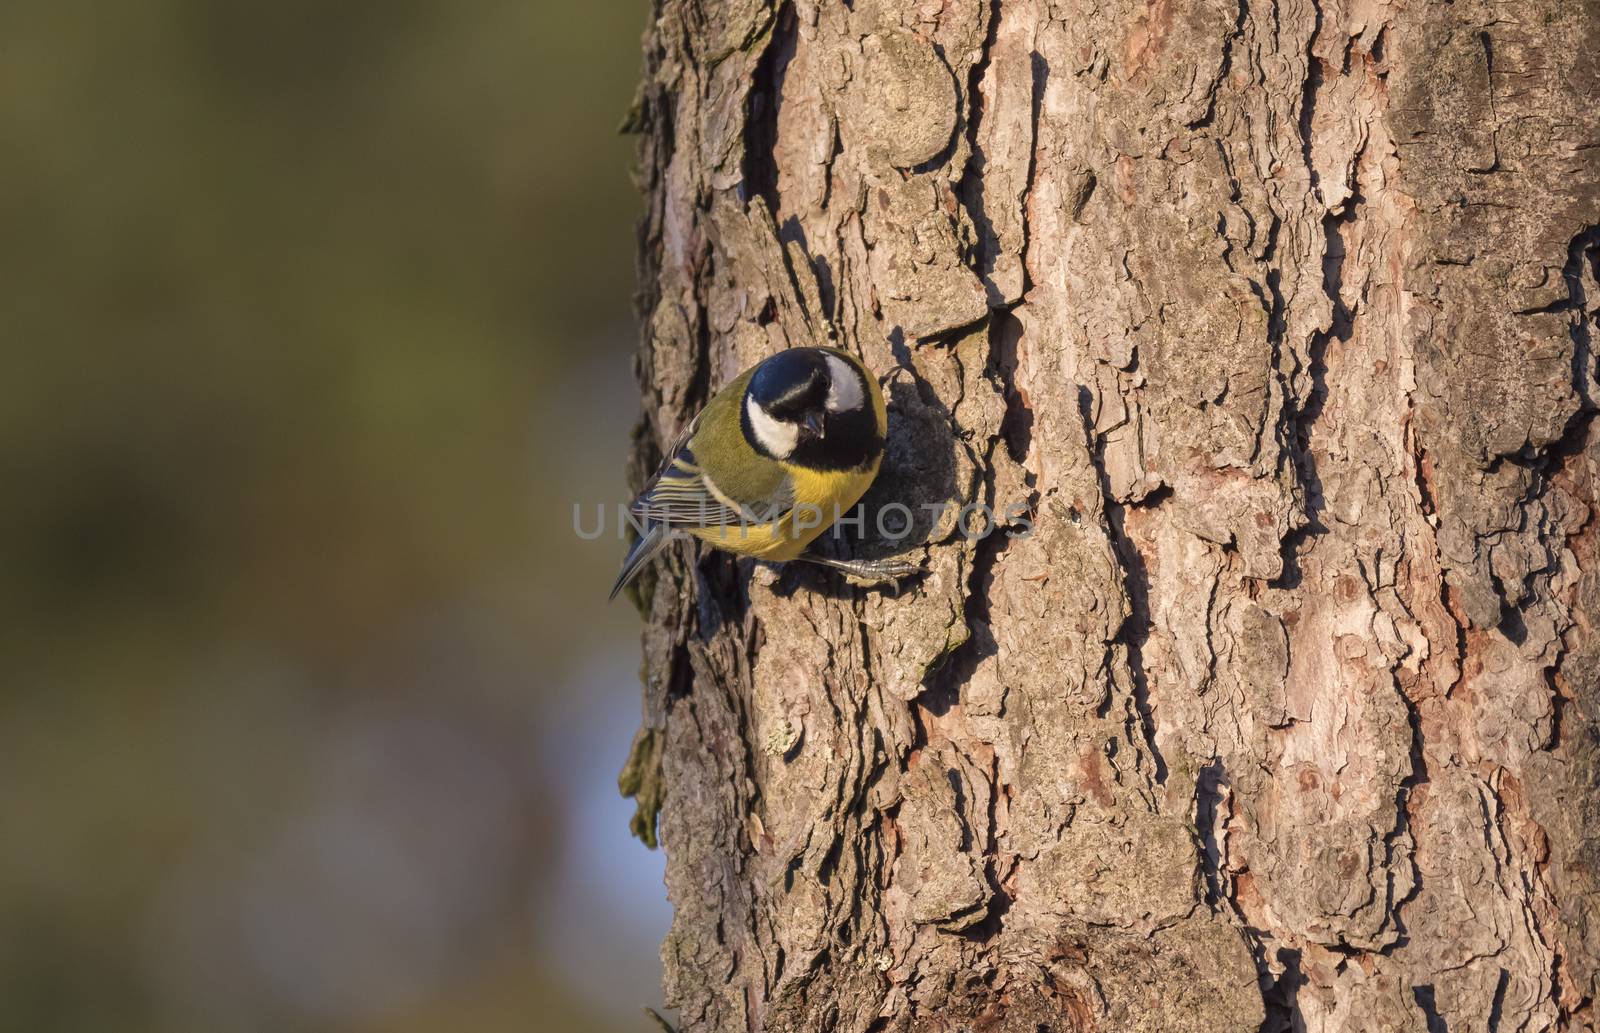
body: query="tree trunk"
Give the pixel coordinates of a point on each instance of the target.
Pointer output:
(1273, 321)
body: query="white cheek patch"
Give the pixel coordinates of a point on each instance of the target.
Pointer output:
(845, 394)
(776, 436)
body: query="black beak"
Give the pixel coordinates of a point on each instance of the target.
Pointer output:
(816, 423)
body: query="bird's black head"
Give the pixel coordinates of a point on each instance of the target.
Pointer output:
(791, 384)
(809, 406)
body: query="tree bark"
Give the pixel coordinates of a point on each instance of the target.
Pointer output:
(1276, 318)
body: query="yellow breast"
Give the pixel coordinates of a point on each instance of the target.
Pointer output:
(821, 497)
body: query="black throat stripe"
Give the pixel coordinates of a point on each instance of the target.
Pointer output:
(851, 441)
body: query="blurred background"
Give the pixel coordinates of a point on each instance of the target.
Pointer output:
(316, 322)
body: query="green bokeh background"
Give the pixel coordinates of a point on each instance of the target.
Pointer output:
(316, 323)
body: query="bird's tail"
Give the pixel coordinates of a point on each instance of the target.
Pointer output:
(644, 550)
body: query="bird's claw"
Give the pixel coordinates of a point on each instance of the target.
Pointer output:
(871, 572)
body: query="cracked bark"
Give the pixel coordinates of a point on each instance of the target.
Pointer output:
(1278, 320)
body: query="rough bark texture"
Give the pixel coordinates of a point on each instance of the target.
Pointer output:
(1278, 317)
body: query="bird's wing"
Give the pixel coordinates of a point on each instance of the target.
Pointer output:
(679, 497)
(682, 495)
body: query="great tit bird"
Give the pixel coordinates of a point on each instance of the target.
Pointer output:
(770, 463)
